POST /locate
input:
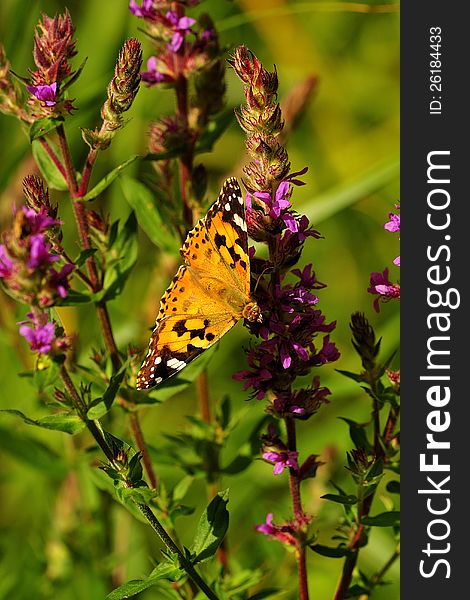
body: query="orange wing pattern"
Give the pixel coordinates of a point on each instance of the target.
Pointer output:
(208, 294)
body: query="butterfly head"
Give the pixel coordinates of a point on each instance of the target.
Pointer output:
(252, 312)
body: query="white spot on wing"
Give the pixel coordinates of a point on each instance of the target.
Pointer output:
(240, 222)
(158, 360)
(227, 206)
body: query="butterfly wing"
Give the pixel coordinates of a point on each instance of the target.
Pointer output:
(218, 244)
(207, 295)
(189, 322)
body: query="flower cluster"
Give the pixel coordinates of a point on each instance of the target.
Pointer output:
(380, 285)
(294, 334)
(27, 273)
(27, 256)
(188, 59)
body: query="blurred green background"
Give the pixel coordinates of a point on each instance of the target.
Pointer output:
(54, 522)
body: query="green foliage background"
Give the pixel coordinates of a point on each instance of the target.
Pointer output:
(60, 536)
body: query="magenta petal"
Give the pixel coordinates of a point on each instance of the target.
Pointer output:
(279, 468)
(186, 22)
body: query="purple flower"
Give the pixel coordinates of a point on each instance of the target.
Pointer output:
(152, 76)
(39, 252)
(281, 460)
(59, 280)
(393, 224)
(283, 533)
(380, 284)
(39, 221)
(181, 26)
(45, 93)
(146, 11)
(39, 336)
(6, 265)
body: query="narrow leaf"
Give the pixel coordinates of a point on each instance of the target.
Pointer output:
(386, 519)
(66, 422)
(84, 255)
(144, 203)
(122, 257)
(214, 130)
(211, 529)
(74, 298)
(108, 179)
(340, 499)
(100, 406)
(135, 586)
(42, 127)
(338, 552)
(49, 171)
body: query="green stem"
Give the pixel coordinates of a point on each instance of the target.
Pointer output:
(170, 544)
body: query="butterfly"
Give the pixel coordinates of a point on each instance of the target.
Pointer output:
(209, 294)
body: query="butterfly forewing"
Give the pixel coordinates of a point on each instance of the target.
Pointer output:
(207, 294)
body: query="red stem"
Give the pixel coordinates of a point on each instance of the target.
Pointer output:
(298, 510)
(102, 311)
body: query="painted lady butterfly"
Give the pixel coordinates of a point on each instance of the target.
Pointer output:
(209, 293)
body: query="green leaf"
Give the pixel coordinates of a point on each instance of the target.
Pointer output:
(144, 203)
(214, 130)
(358, 434)
(74, 76)
(211, 528)
(350, 375)
(107, 180)
(338, 552)
(84, 255)
(386, 519)
(340, 498)
(121, 258)
(181, 488)
(100, 406)
(135, 586)
(75, 298)
(42, 127)
(66, 422)
(333, 201)
(49, 171)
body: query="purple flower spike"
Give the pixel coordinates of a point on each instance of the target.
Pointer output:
(45, 93)
(39, 337)
(6, 265)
